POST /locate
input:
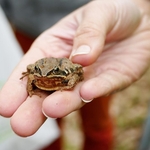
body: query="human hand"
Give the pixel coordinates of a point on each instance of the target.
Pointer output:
(115, 50)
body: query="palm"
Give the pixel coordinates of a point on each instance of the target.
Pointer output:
(123, 62)
(114, 66)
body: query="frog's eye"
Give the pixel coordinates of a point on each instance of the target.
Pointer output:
(53, 72)
(38, 70)
(49, 73)
(56, 70)
(66, 72)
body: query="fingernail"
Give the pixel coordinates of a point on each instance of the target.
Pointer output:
(46, 115)
(86, 101)
(84, 49)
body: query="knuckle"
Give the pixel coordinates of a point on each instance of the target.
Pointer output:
(88, 31)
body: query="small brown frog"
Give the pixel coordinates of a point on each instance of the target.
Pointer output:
(51, 74)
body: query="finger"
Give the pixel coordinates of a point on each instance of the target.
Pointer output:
(29, 117)
(102, 22)
(14, 91)
(11, 96)
(91, 33)
(61, 103)
(105, 84)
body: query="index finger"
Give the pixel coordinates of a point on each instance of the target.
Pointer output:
(14, 91)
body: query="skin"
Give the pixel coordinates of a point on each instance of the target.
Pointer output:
(65, 73)
(118, 34)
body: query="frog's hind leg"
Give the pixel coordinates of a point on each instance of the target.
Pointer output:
(73, 81)
(35, 91)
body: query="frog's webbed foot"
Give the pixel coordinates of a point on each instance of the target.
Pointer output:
(24, 74)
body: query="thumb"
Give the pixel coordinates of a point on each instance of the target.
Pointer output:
(100, 22)
(94, 21)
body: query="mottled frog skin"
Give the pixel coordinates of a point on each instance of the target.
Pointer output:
(51, 74)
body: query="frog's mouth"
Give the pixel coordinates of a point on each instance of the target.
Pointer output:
(51, 84)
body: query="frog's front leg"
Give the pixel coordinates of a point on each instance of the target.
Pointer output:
(30, 84)
(72, 81)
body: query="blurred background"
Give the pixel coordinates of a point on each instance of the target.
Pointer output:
(129, 108)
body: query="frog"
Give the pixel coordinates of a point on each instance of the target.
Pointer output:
(52, 74)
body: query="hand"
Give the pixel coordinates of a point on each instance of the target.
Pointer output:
(111, 39)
